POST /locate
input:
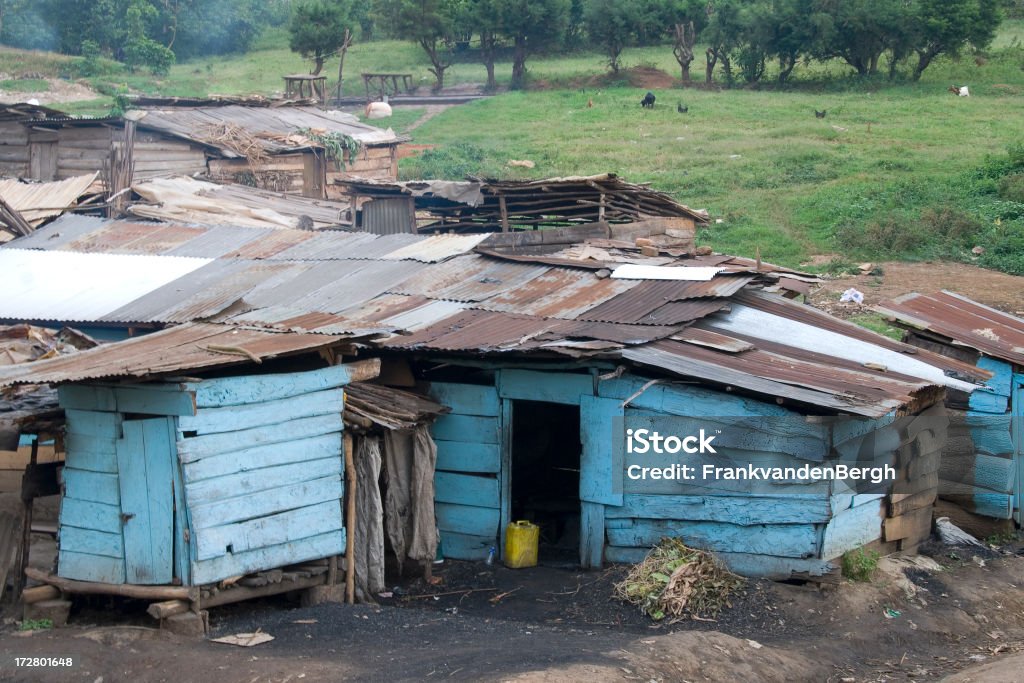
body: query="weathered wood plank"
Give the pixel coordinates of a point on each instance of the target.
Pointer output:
(233, 391)
(194, 448)
(268, 531)
(138, 399)
(466, 547)
(251, 459)
(237, 418)
(989, 472)
(97, 487)
(300, 550)
(465, 519)
(601, 464)
(231, 486)
(851, 529)
(466, 399)
(182, 522)
(466, 428)
(83, 567)
(93, 453)
(744, 564)
(462, 456)
(911, 503)
(144, 458)
(686, 400)
(997, 505)
(982, 401)
(90, 541)
(913, 524)
(783, 540)
(466, 489)
(93, 423)
(743, 510)
(550, 387)
(90, 515)
(264, 503)
(592, 535)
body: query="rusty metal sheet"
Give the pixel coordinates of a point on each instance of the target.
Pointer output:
(557, 293)
(794, 310)
(57, 233)
(639, 303)
(474, 330)
(171, 351)
(965, 322)
(38, 201)
(786, 377)
(272, 244)
(468, 278)
(702, 336)
(327, 245)
(123, 237)
(436, 248)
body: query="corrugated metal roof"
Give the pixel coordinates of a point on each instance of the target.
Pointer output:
(174, 350)
(436, 248)
(648, 302)
(38, 201)
(275, 129)
(71, 286)
(961, 320)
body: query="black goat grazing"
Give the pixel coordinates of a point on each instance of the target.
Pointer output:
(820, 114)
(648, 100)
(682, 108)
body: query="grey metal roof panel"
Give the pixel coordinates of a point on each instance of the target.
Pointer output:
(56, 234)
(220, 241)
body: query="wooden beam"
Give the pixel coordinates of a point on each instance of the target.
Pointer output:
(240, 593)
(350, 522)
(123, 590)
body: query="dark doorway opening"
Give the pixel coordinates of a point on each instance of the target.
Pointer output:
(546, 476)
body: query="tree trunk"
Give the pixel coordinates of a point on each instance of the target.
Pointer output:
(711, 57)
(318, 65)
(346, 43)
(438, 65)
(488, 46)
(786, 65)
(519, 64)
(685, 38)
(924, 59)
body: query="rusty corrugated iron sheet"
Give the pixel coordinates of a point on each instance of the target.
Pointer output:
(962, 321)
(193, 346)
(37, 202)
(659, 301)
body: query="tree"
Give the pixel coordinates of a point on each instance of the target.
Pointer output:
(860, 31)
(531, 25)
(686, 19)
(722, 35)
(318, 30)
(612, 25)
(484, 17)
(947, 26)
(433, 25)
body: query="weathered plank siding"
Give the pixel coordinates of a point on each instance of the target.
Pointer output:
(467, 480)
(979, 465)
(203, 480)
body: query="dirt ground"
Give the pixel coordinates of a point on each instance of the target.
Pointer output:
(962, 622)
(990, 287)
(59, 91)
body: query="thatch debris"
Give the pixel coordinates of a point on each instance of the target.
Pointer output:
(677, 581)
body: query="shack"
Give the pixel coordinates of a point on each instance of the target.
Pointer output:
(287, 147)
(983, 469)
(545, 354)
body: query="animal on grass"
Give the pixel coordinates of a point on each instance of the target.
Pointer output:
(648, 101)
(682, 108)
(378, 110)
(590, 103)
(820, 114)
(960, 90)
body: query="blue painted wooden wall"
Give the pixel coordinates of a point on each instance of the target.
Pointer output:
(467, 480)
(240, 474)
(979, 470)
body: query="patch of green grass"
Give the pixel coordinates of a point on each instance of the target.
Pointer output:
(35, 624)
(400, 119)
(877, 323)
(860, 565)
(25, 85)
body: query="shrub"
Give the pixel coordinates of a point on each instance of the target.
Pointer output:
(860, 565)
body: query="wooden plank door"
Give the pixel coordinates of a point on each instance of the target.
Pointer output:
(1017, 434)
(600, 473)
(144, 462)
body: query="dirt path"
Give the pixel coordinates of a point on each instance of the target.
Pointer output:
(58, 91)
(432, 110)
(992, 288)
(558, 624)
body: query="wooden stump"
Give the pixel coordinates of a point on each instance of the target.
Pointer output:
(56, 611)
(187, 624)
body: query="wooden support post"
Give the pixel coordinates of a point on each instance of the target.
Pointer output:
(504, 213)
(39, 593)
(332, 570)
(26, 529)
(123, 590)
(350, 521)
(168, 608)
(600, 208)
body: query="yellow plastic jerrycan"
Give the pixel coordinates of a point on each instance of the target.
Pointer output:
(521, 541)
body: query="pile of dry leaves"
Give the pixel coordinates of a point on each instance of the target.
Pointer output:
(677, 581)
